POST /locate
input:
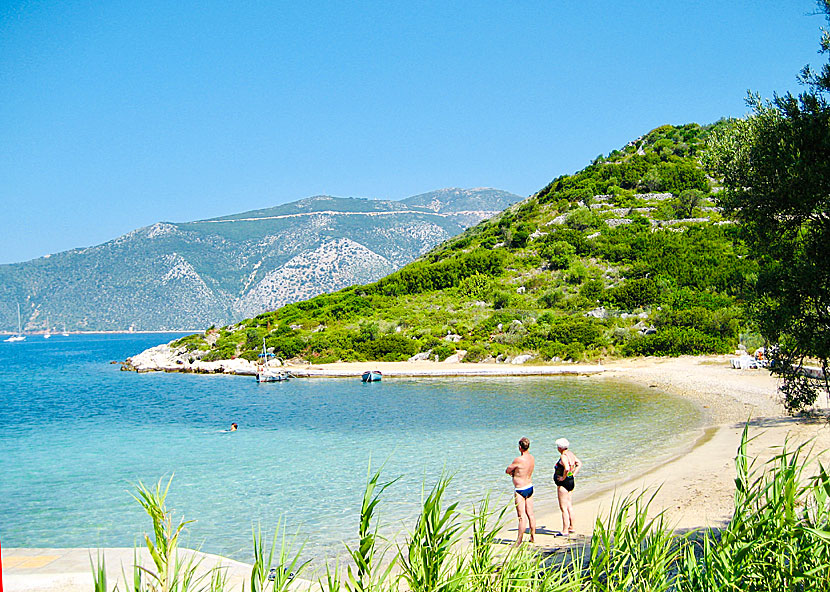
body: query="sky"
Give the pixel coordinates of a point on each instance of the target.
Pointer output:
(116, 115)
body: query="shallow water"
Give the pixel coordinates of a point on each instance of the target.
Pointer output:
(79, 434)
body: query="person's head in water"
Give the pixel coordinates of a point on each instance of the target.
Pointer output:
(524, 444)
(233, 427)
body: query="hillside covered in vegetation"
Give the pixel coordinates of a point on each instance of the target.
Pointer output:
(629, 256)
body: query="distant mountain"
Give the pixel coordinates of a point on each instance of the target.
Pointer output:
(194, 274)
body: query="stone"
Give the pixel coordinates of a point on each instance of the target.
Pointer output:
(456, 357)
(423, 356)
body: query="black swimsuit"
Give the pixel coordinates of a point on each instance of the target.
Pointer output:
(558, 472)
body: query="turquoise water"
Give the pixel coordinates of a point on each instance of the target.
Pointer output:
(78, 434)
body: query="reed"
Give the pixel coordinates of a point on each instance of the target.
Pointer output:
(172, 573)
(426, 559)
(368, 574)
(273, 572)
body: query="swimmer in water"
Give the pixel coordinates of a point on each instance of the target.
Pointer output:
(233, 427)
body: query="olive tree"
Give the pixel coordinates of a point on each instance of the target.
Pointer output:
(775, 166)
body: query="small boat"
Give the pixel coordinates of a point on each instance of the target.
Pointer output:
(65, 333)
(372, 376)
(19, 336)
(48, 333)
(271, 375)
(265, 373)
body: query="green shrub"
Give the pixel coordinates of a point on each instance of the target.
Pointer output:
(443, 350)
(477, 286)
(388, 348)
(502, 299)
(558, 254)
(634, 293)
(677, 341)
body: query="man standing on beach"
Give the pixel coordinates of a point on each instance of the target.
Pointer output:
(521, 469)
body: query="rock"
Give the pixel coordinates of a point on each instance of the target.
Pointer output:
(520, 290)
(452, 337)
(597, 313)
(456, 357)
(521, 359)
(421, 356)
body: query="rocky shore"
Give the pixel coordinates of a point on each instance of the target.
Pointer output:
(165, 358)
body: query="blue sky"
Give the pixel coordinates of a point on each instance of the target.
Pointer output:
(116, 115)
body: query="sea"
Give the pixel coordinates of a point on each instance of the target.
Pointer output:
(79, 435)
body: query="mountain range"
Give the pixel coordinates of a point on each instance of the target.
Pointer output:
(194, 274)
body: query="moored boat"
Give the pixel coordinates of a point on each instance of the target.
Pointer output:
(265, 373)
(372, 376)
(19, 336)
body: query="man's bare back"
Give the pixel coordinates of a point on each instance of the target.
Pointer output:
(521, 470)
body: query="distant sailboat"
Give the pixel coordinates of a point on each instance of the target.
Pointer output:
(19, 336)
(65, 332)
(48, 333)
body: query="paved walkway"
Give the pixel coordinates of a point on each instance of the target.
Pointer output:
(70, 570)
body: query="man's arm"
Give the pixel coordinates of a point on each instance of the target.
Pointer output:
(512, 467)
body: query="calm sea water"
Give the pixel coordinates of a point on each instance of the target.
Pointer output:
(77, 435)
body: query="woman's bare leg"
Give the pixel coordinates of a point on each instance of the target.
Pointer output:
(571, 527)
(564, 507)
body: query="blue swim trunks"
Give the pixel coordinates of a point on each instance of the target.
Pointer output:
(525, 492)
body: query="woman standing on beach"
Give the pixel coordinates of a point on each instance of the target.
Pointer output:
(563, 475)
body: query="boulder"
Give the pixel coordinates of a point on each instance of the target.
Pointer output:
(421, 356)
(521, 359)
(456, 357)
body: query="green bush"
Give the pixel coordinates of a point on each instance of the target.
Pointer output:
(677, 341)
(502, 299)
(443, 350)
(558, 254)
(633, 294)
(388, 348)
(477, 286)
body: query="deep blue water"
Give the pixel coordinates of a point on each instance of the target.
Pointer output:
(78, 434)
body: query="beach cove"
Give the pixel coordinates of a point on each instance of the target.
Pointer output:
(695, 473)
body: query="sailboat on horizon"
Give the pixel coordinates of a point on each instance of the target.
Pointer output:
(19, 336)
(48, 333)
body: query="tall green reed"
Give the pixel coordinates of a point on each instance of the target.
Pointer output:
(426, 559)
(632, 551)
(172, 572)
(368, 574)
(268, 575)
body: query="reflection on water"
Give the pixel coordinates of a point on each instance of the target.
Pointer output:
(79, 434)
